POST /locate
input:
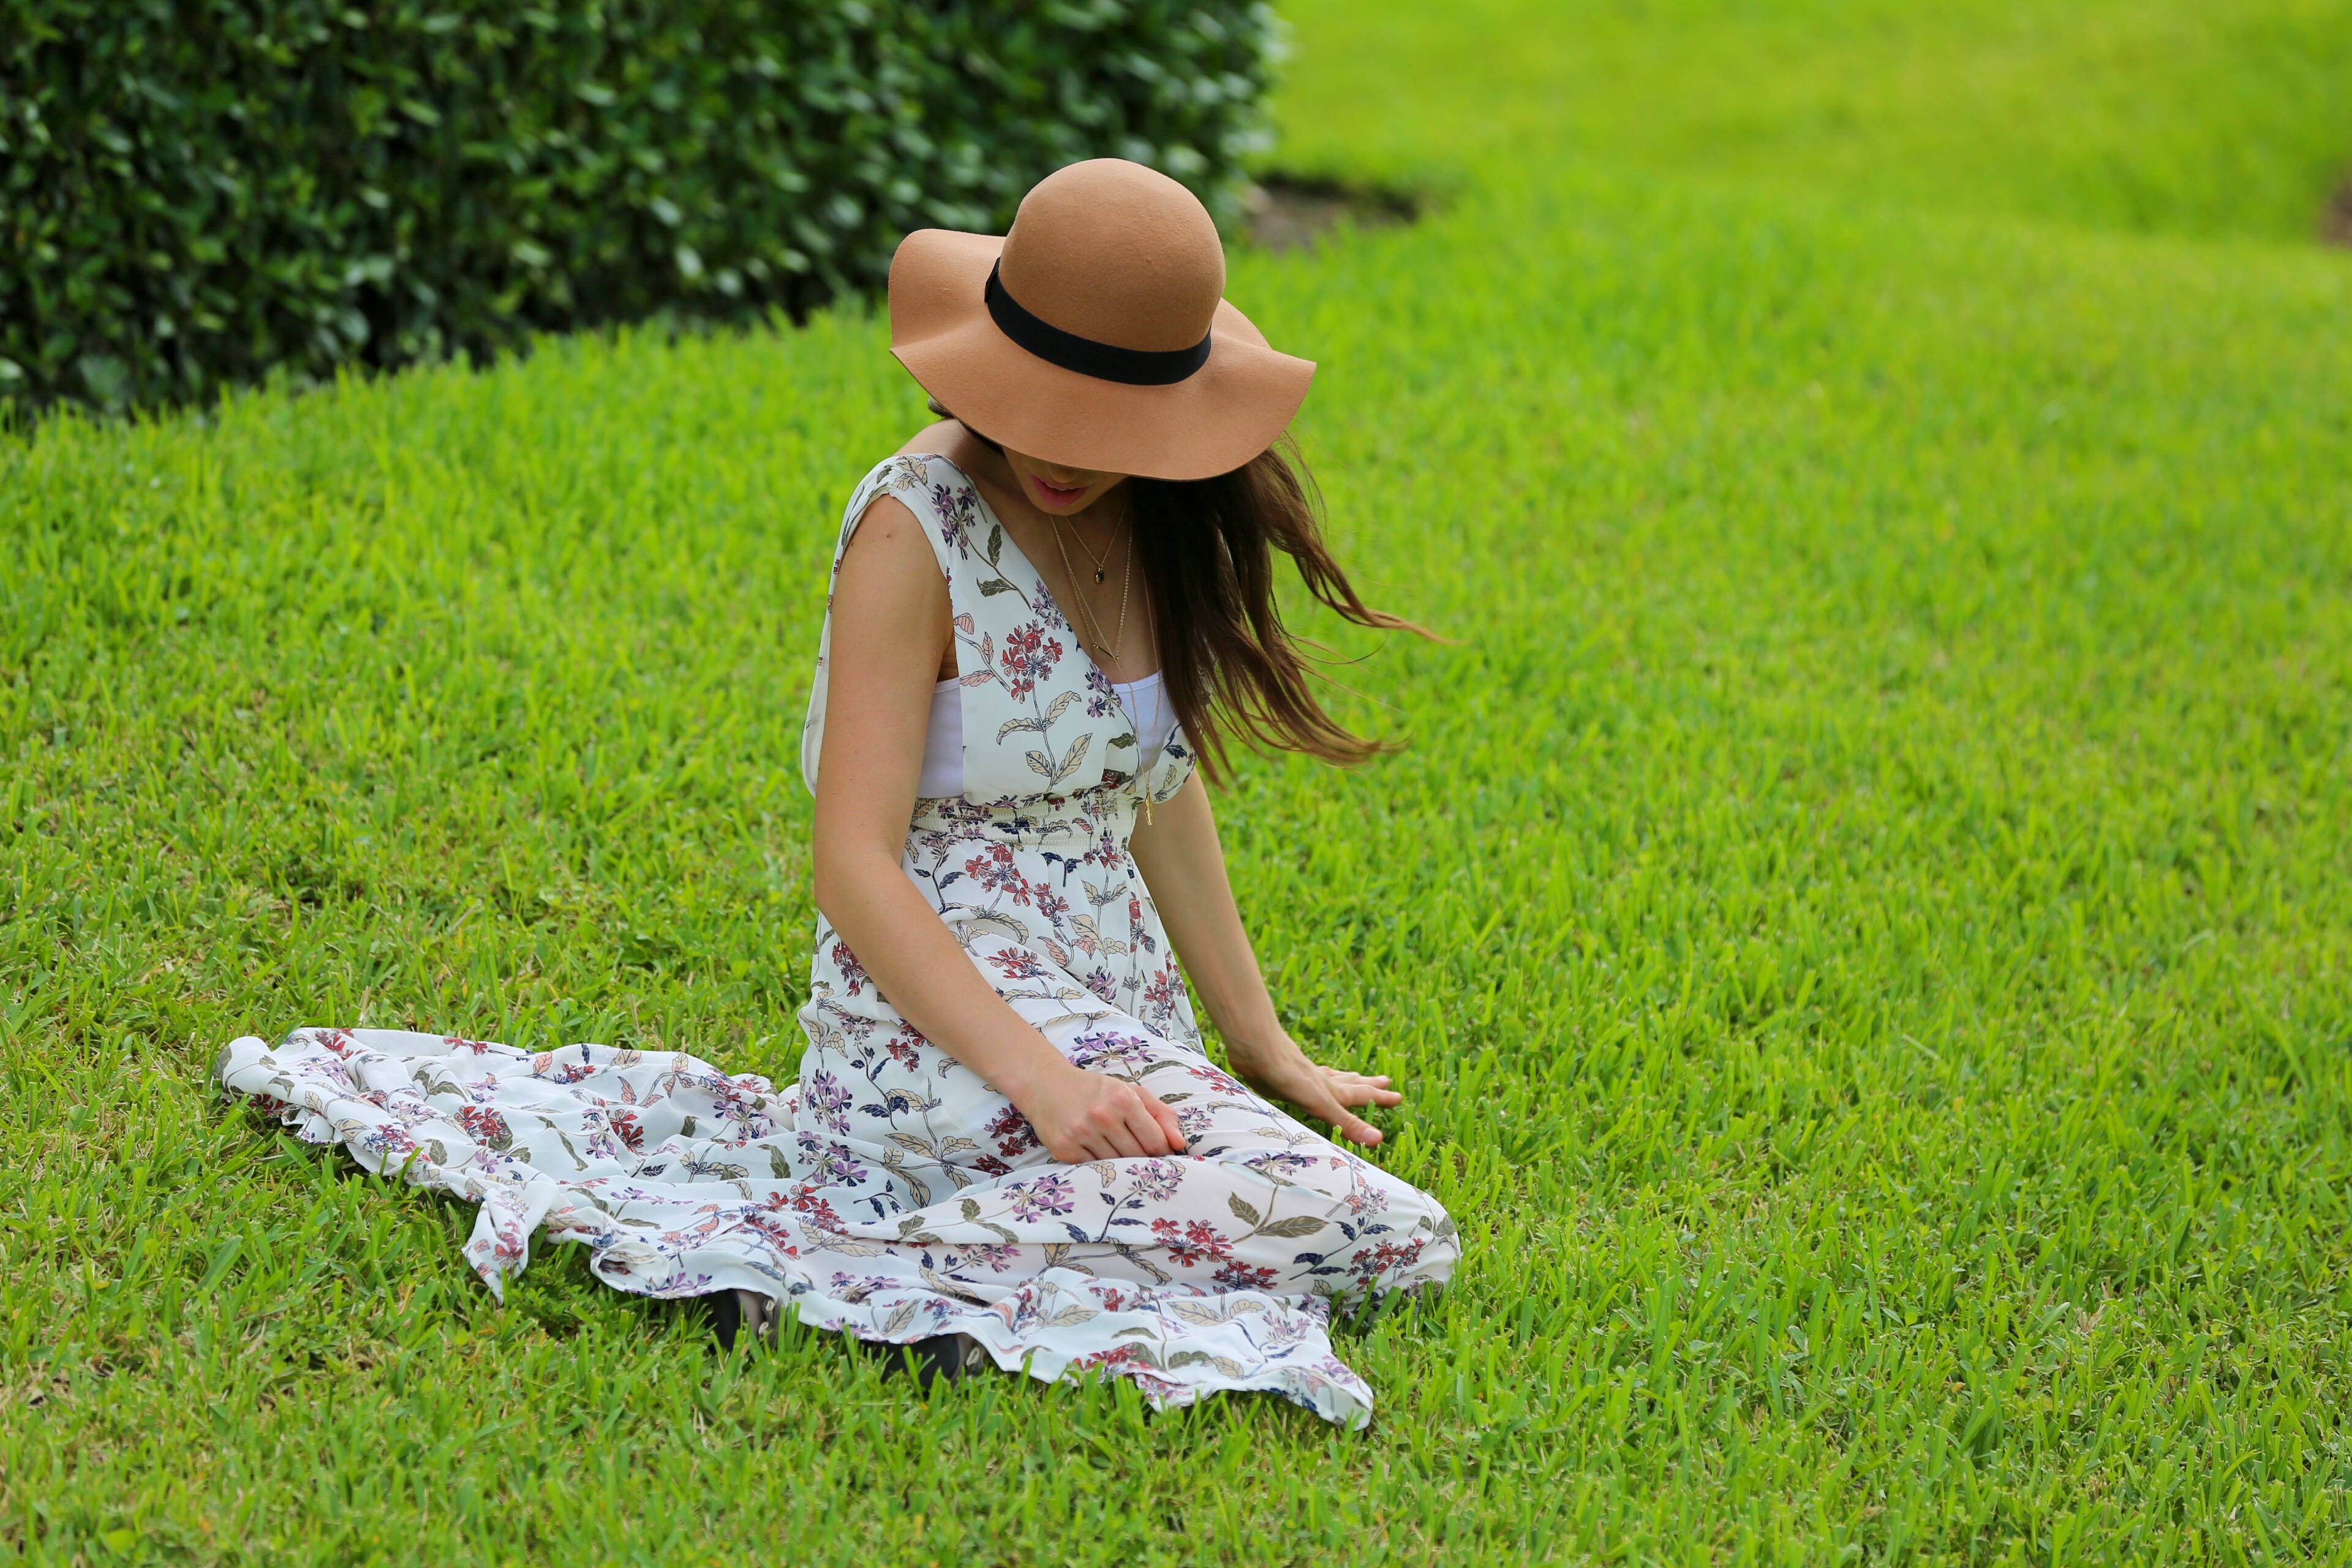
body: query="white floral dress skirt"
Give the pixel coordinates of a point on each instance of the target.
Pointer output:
(891, 1193)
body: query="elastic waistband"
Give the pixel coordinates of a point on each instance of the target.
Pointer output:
(1042, 821)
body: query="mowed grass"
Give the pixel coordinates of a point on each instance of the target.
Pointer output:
(1864, 914)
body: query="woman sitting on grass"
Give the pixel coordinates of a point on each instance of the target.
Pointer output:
(1043, 610)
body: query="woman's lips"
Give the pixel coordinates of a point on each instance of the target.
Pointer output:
(1054, 495)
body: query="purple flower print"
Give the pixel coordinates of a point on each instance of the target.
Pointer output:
(997, 1257)
(858, 1291)
(388, 1140)
(1049, 1194)
(1101, 700)
(1126, 1050)
(954, 507)
(826, 1100)
(1156, 1180)
(830, 1164)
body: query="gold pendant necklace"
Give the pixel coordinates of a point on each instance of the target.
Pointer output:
(1101, 563)
(1104, 647)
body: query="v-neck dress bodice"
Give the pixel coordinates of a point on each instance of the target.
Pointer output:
(891, 1193)
(1041, 720)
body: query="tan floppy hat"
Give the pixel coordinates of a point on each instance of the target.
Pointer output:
(1096, 334)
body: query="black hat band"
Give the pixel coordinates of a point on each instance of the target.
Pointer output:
(1103, 361)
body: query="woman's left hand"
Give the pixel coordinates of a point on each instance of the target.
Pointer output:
(1280, 1069)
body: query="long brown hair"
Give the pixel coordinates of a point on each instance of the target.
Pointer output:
(1226, 660)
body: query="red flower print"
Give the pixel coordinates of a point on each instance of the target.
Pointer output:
(486, 1125)
(1014, 1135)
(625, 1124)
(814, 1210)
(852, 971)
(996, 871)
(1242, 1276)
(1220, 1082)
(905, 1048)
(1385, 1256)
(1028, 658)
(1190, 1242)
(1159, 993)
(1018, 964)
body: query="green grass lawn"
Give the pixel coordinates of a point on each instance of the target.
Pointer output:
(1866, 913)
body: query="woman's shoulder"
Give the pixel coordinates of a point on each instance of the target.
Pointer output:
(936, 494)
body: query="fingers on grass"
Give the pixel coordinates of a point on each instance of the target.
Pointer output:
(1359, 1088)
(1350, 1126)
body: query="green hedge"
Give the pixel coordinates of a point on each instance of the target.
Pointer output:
(204, 191)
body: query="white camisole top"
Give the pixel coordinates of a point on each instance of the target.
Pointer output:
(943, 777)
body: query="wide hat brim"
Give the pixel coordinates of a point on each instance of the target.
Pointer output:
(1214, 420)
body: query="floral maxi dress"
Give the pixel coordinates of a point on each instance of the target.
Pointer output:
(891, 1193)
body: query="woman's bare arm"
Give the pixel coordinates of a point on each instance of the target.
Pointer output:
(1183, 863)
(890, 638)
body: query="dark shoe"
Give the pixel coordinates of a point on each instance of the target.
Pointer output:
(942, 1357)
(732, 1312)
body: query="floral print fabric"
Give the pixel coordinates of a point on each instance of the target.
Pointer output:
(891, 1193)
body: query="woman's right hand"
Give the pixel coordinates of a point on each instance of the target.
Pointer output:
(1080, 1115)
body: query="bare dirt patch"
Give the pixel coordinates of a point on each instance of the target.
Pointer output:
(2336, 223)
(1288, 212)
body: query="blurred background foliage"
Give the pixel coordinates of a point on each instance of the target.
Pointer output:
(204, 191)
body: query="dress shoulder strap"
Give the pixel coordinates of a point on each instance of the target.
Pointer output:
(928, 487)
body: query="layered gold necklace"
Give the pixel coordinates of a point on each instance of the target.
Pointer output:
(1105, 648)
